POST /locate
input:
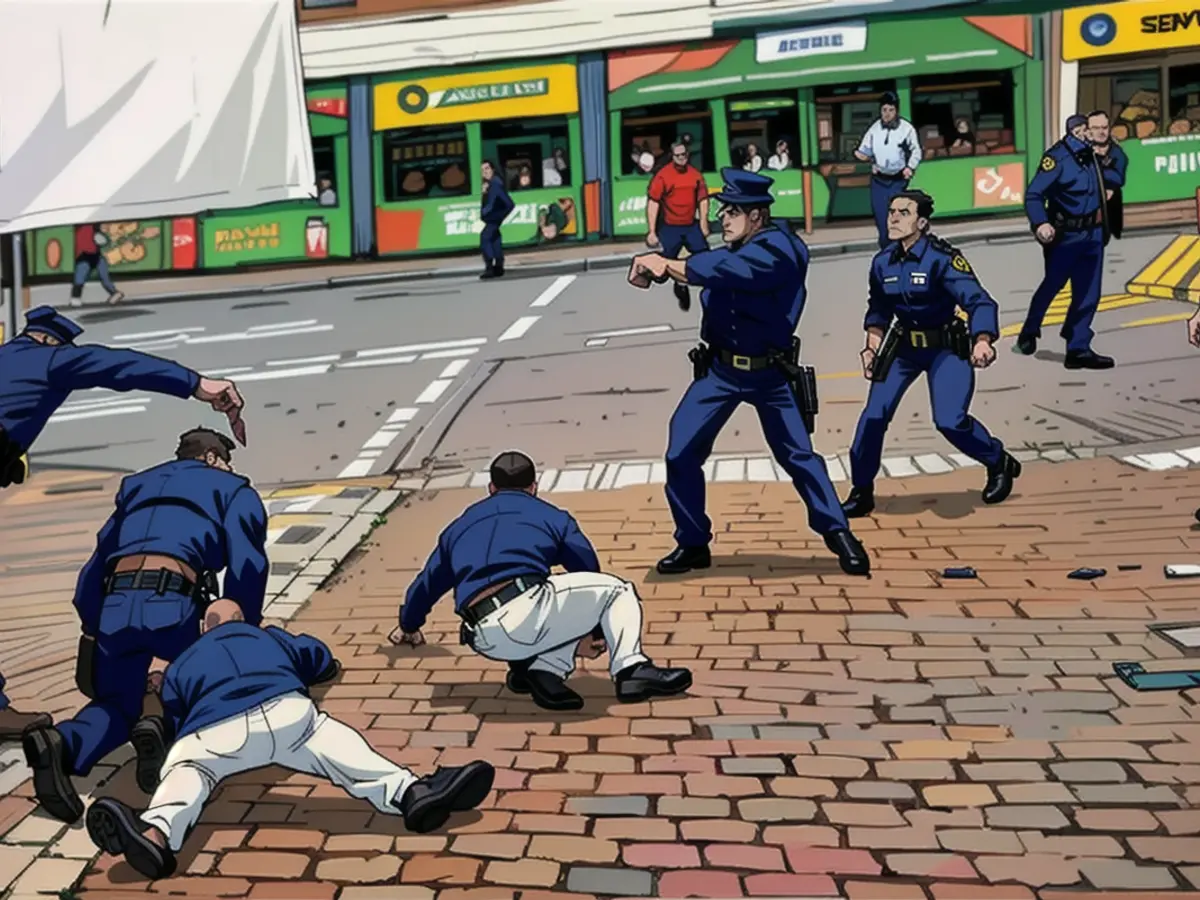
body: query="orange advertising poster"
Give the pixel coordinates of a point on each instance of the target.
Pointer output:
(1002, 185)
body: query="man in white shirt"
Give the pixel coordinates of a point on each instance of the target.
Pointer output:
(893, 149)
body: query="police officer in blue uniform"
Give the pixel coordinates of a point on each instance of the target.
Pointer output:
(43, 365)
(1067, 210)
(141, 594)
(754, 293)
(494, 209)
(1113, 166)
(915, 288)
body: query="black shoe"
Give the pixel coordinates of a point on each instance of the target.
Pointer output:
(861, 502)
(1198, 515)
(489, 272)
(849, 551)
(14, 724)
(1087, 359)
(47, 756)
(498, 272)
(645, 680)
(551, 692)
(1026, 345)
(150, 742)
(684, 296)
(429, 801)
(684, 559)
(116, 829)
(1000, 479)
(517, 679)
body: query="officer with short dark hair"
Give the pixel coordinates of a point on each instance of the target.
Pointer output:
(915, 288)
(495, 206)
(1077, 126)
(141, 594)
(1113, 165)
(754, 293)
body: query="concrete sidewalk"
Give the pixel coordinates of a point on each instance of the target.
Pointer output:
(558, 260)
(905, 737)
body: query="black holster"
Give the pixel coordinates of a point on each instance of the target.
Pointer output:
(886, 354)
(701, 357)
(85, 666)
(12, 461)
(958, 338)
(802, 380)
(466, 637)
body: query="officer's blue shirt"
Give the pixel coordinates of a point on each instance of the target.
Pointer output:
(496, 203)
(922, 288)
(204, 517)
(753, 293)
(507, 535)
(236, 667)
(1113, 166)
(1066, 181)
(37, 378)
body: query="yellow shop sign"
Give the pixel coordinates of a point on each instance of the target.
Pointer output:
(233, 240)
(473, 97)
(1135, 26)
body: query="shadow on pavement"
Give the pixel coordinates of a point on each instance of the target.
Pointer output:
(945, 506)
(753, 565)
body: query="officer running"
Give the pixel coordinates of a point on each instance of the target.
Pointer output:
(915, 287)
(754, 293)
(43, 365)
(141, 594)
(1068, 212)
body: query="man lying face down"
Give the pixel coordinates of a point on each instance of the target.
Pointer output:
(238, 700)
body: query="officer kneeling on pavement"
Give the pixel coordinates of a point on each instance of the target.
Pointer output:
(754, 293)
(496, 558)
(915, 288)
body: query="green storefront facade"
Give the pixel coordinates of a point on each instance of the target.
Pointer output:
(814, 91)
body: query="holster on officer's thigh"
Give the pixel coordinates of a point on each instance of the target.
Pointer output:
(466, 636)
(701, 358)
(85, 666)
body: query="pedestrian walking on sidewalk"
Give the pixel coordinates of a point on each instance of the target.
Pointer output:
(89, 242)
(141, 595)
(678, 197)
(893, 148)
(754, 294)
(915, 288)
(495, 208)
(496, 558)
(238, 700)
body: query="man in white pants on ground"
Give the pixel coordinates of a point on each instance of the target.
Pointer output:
(238, 700)
(496, 558)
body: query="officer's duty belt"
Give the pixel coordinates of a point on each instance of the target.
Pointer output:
(161, 581)
(744, 363)
(926, 339)
(477, 612)
(1079, 223)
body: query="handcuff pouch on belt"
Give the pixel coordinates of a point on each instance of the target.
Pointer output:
(802, 380)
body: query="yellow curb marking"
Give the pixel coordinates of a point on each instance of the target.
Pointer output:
(1174, 274)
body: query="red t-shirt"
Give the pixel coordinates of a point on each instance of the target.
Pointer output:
(85, 239)
(679, 193)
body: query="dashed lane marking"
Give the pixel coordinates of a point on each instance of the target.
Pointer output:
(518, 329)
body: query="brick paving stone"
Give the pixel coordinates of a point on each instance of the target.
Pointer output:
(735, 856)
(930, 865)
(1044, 818)
(966, 840)
(568, 848)
(262, 864)
(951, 795)
(879, 790)
(608, 806)
(291, 890)
(1167, 849)
(610, 882)
(424, 869)
(1035, 871)
(772, 884)
(1182, 821)
(773, 810)
(958, 891)
(1089, 772)
(883, 890)
(875, 815)
(491, 846)
(523, 873)
(661, 856)
(710, 883)
(1117, 820)
(1125, 874)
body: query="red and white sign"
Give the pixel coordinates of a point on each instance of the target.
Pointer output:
(328, 106)
(183, 244)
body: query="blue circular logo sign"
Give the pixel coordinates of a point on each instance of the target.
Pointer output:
(1098, 30)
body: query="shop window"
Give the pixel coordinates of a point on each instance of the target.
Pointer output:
(964, 114)
(1132, 99)
(648, 132)
(1183, 110)
(529, 153)
(844, 113)
(763, 133)
(325, 163)
(425, 162)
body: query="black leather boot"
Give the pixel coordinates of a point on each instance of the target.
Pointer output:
(1000, 479)
(684, 559)
(850, 552)
(860, 503)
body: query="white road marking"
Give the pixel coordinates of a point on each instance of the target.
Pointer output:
(630, 332)
(518, 328)
(370, 454)
(420, 348)
(450, 354)
(96, 414)
(405, 415)
(303, 323)
(367, 363)
(276, 374)
(98, 402)
(303, 504)
(380, 440)
(357, 469)
(549, 295)
(255, 335)
(434, 391)
(454, 369)
(596, 342)
(305, 360)
(225, 373)
(168, 332)
(168, 344)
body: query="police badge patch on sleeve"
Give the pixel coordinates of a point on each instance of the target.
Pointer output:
(1048, 163)
(960, 264)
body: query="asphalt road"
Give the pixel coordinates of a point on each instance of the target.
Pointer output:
(585, 368)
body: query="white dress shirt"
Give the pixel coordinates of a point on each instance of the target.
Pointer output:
(779, 161)
(892, 149)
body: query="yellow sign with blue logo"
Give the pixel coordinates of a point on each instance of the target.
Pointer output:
(477, 96)
(1135, 26)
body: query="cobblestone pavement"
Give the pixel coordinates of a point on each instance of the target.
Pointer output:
(47, 530)
(906, 736)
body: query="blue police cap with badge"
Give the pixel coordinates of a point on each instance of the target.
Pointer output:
(744, 188)
(48, 320)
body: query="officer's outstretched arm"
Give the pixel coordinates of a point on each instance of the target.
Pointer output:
(78, 368)
(750, 268)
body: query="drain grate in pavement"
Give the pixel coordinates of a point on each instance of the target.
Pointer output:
(300, 534)
(356, 493)
(284, 568)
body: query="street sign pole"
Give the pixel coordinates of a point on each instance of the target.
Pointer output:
(8, 297)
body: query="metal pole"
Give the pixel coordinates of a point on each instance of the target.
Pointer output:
(8, 297)
(17, 275)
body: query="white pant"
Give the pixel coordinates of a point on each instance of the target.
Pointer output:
(288, 731)
(547, 622)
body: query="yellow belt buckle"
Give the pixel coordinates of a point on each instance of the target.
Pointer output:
(741, 363)
(918, 339)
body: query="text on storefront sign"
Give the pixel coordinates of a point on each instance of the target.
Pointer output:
(1169, 22)
(779, 45)
(485, 92)
(232, 240)
(1116, 29)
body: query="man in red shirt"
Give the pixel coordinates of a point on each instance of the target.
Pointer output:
(678, 193)
(88, 241)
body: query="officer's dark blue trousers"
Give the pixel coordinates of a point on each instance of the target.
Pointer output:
(135, 627)
(703, 411)
(674, 238)
(1077, 257)
(951, 386)
(883, 189)
(3, 696)
(491, 245)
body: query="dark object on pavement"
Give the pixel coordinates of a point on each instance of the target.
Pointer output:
(116, 829)
(1129, 567)
(1140, 680)
(1087, 574)
(959, 572)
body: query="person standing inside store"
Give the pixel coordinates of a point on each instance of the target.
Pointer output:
(893, 149)
(1113, 165)
(88, 258)
(679, 195)
(495, 207)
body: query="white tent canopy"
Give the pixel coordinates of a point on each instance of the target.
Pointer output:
(126, 109)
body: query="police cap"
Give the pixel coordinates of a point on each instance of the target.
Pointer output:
(48, 320)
